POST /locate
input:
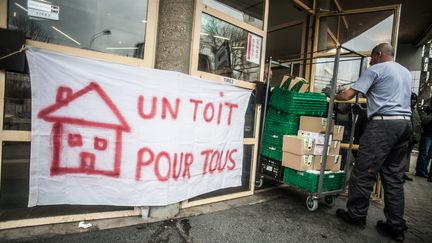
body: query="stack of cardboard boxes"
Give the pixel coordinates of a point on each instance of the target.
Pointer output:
(304, 151)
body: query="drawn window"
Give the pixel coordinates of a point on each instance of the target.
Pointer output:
(75, 140)
(100, 143)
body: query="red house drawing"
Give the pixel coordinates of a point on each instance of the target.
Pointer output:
(87, 141)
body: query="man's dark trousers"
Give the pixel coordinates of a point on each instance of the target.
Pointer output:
(383, 148)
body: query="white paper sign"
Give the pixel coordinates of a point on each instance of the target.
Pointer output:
(111, 134)
(253, 49)
(43, 10)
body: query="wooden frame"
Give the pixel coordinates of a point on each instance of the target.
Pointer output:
(202, 8)
(25, 136)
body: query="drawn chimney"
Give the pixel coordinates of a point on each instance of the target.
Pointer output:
(63, 93)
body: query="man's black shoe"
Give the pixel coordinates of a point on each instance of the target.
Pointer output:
(429, 179)
(396, 235)
(407, 178)
(360, 222)
(420, 175)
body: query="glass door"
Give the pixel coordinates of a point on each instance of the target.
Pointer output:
(358, 30)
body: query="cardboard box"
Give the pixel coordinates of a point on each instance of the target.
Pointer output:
(298, 145)
(332, 149)
(294, 81)
(338, 132)
(314, 124)
(318, 137)
(297, 162)
(333, 162)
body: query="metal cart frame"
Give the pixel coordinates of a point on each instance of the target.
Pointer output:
(329, 196)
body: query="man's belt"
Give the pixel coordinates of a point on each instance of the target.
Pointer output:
(379, 117)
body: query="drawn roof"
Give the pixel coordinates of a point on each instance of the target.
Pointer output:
(77, 109)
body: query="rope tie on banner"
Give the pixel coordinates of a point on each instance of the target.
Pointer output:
(23, 48)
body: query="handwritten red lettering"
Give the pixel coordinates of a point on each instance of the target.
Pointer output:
(208, 107)
(178, 164)
(196, 104)
(141, 162)
(217, 160)
(153, 110)
(206, 154)
(166, 106)
(230, 106)
(214, 161)
(221, 166)
(232, 166)
(156, 166)
(176, 172)
(189, 159)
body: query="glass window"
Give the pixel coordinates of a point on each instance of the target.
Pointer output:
(250, 12)
(17, 102)
(349, 69)
(225, 50)
(15, 175)
(250, 118)
(359, 32)
(14, 189)
(109, 26)
(286, 43)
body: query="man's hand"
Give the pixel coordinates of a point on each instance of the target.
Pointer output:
(326, 91)
(340, 89)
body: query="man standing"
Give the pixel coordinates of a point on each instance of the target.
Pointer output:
(384, 144)
(425, 147)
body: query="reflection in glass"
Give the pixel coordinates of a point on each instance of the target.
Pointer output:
(359, 32)
(245, 179)
(250, 118)
(108, 26)
(223, 49)
(250, 12)
(17, 102)
(349, 69)
(15, 175)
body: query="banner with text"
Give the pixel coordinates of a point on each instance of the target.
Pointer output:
(112, 134)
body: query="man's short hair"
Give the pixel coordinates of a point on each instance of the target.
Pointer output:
(384, 48)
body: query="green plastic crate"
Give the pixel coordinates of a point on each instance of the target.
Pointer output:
(299, 103)
(279, 127)
(309, 181)
(272, 138)
(271, 151)
(276, 115)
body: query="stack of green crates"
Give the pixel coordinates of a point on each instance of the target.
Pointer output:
(309, 180)
(277, 125)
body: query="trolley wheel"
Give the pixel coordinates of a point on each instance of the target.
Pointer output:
(311, 203)
(330, 200)
(259, 182)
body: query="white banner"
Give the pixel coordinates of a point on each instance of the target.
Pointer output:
(112, 134)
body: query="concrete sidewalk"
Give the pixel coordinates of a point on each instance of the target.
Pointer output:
(274, 216)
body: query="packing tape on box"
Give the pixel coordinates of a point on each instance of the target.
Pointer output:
(338, 128)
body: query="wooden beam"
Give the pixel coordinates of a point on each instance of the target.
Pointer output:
(284, 25)
(303, 6)
(189, 204)
(67, 218)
